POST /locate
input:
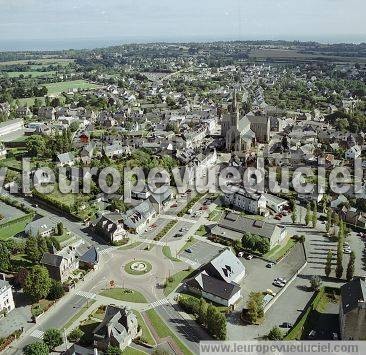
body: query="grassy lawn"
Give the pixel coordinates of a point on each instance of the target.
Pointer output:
(175, 280)
(29, 101)
(132, 351)
(63, 86)
(164, 331)
(279, 251)
(130, 246)
(201, 231)
(215, 215)
(38, 62)
(64, 237)
(122, 294)
(13, 229)
(168, 253)
(26, 74)
(146, 334)
(129, 270)
(77, 315)
(19, 261)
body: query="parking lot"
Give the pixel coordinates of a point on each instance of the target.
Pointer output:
(181, 228)
(259, 278)
(154, 228)
(201, 252)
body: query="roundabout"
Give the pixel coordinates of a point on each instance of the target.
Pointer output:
(138, 267)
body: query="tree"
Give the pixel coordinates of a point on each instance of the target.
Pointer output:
(37, 348)
(56, 290)
(314, 217)
(308, 214)
(216, 323)
(328, 265)
(294, 214)
(75, 335)
(37, 283)
(60, 228)
(339, 268)
(4, 258)
(113, 350)
(36, 146)
(328, 224)
(351, 266)
(202, 312)
(32, 250)
(255, 307)
(315, 283)
(52, 338)
(42, 245)
(275, 334)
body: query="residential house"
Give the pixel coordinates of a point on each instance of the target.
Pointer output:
(88, 257)
(110, 225)
(138, 218)
(218, 280)
(2, 151)
(249, 202)
(43, 227)
(353, 152)
(353, 216)
(275, 203)
(352, 310)
(6, 297)
(118, 328)
(62, 264)
(23, 111)
(86, 153)
(66, 159)
(46, 112)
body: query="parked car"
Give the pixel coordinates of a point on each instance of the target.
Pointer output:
(269, 265)
(278, 283)
(178, 235)
(286, 325)
(347, 250)
(184, 229)
(188, 250)
(281, 279)
(240, 254)
(270, 292)
(174, 205)
(249, 257)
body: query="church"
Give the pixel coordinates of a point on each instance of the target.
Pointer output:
(243, 133)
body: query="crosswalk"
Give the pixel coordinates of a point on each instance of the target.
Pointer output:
(37, 334)
(84, 294)
(105, 251)
(149, 241)
(159, 303)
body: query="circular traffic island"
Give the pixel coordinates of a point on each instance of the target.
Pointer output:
(138, 267)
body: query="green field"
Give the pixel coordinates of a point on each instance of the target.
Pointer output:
(39, 62)
(279, 251)
(146, 334)
(121, 294)
(58, 88)
(12, 229)
(176, 279)
(26, 74)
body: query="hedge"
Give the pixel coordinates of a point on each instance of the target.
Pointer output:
(27, 217)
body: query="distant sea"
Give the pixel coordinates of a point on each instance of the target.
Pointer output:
(90, 43)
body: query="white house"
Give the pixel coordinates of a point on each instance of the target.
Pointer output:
(353, 152)
(6, 297)
(249, 202)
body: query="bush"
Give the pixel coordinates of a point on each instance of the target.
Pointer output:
(52, 338)
(275, 334)
(75, 335)
(56, 291)
(37, 348)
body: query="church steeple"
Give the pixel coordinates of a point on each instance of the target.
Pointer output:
(234, 111)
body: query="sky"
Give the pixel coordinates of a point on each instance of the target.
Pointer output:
(75, 21)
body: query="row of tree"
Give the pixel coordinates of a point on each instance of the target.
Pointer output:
(206, 314)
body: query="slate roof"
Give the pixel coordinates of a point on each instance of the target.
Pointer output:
(351, 293)
(213, 286)
(51, 259)
(237, 223)
(91, 256)
(225, 266)
(65, 157)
